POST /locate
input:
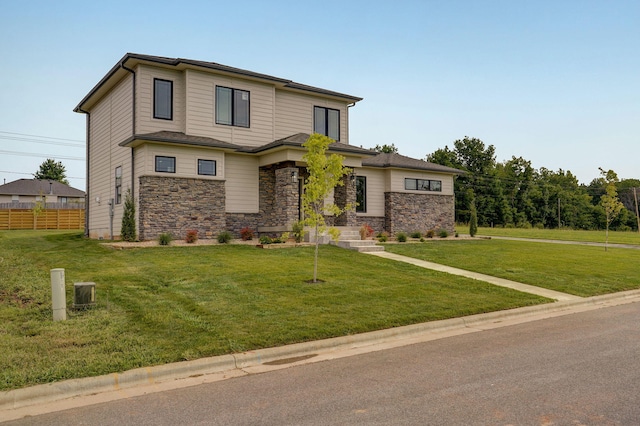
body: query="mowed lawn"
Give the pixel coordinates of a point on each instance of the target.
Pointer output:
(561, 234)
(574, 269)
(165, 304)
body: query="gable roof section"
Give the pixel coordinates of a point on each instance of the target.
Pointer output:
(130, 60)
(38, 187)
(298, 139)
(392, 160)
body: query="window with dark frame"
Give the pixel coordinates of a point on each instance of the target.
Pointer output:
(62, 200)
(423, 185)
(162, 99)
(361, 194)
(207, 167)
(165, 164)
(326, 121)
(118, 194)
(232, 107)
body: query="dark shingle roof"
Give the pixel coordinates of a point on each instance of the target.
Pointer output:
(181, 139)
(400, 161)
(299, 138)
(39, 186)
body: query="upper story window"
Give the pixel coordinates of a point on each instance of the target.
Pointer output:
(165, 164)
(361, 194)
(326, 121)
(118, 194)
(423, 185)
(232, 107)
(162, 99)
(207, 167)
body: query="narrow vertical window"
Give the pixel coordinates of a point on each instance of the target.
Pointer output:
(232, 107)
(118, 194)
(326, 121)
(361, 194)
(162, 99)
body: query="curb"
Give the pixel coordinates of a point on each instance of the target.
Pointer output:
(52, 392)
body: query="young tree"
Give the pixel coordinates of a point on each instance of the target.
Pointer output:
(51, 170)
(128, 227)
(325, 173)
(609, 201)
(389, 149)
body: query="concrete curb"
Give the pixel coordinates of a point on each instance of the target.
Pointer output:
(52, 392)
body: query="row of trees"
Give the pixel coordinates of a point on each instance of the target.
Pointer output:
(513, 193)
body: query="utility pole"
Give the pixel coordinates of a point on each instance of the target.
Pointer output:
(635, 197)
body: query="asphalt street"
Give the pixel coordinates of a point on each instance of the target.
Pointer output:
(577, 369)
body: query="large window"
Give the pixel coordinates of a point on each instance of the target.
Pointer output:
(162, 99)
(118, 194)
(361, 194)
(423, 185)
(207, 167)
(165, 164)
(232, 107)
(326, 121)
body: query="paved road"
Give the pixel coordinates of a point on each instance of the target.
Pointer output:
(579, 369)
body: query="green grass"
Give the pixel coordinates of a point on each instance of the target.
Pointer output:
(574, 269)
(166, 304)
(560, 234)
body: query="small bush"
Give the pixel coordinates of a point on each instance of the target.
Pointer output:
(224, 237)
(365, 231)
(456, 234)
(401, 237)
(416, 234)
(442, 233)
(297, 230)
(539, 225)
(164, 239)
(422, 240)
(265, 239)
(192, 236)
(431, 233)
(246, 234)
(383, 236)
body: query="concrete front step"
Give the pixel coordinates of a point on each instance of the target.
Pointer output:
(367, 246)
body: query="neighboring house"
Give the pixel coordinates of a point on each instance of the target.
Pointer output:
(25, 192)
(209, 147)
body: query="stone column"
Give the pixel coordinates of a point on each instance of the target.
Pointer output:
(286, 196)
(343, 195)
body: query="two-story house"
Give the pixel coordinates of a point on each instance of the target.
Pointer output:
(209, 147)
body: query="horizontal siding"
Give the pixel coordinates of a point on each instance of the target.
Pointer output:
(200, 109)
(294, 114)
(242, 192)
(145, 123)
(186, 161)
(398, 176)
(375, 191)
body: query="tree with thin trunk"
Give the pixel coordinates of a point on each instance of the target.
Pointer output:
(609, 200)
(325, 173)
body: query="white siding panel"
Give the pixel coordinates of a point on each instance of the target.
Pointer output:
(242, 184)
(375, 190)
(145, 123)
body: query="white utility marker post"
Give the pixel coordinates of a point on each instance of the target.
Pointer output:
(58, 296)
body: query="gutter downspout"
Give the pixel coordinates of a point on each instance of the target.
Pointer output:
(87, 195)
(133, 129)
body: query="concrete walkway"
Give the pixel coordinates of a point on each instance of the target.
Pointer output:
(477, 276)
(578, 243)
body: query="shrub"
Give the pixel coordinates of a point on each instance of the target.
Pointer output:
(365, 231)
(539, 225)
(128, 226)
(442, 233)
(431, 233)
(383, 236)
(416, 234)
(297, 230)
(164, 239)
(265, 239)
(224, 237)
(422, 240)
(192, 236)
(401, 237)
(246, 234)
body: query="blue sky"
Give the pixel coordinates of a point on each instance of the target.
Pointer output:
(556, 82)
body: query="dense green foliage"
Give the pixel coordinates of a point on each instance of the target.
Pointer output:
(128, 228)
(513, 193)
(52, 170)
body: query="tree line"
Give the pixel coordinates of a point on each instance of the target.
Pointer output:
(513, 193)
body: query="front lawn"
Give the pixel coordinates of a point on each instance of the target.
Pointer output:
(166, 304)
(618, 237)
(574, 269)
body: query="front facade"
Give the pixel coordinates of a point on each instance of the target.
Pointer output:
(208, 147)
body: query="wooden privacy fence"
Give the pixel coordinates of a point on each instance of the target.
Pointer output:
(47, 219)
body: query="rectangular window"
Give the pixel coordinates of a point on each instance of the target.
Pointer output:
(118, 194)
(165, 164)
(326, 121)
(207, 167)
(62, 200)
(361, 194)
(232, 107)
(162, 99)
(15, 198)
(423, 185)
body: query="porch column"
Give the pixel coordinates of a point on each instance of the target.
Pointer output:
(286, 196)
(343, 195)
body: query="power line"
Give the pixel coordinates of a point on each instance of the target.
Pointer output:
(42, 137)
(31, 154)
(14, 138)
(31, 174)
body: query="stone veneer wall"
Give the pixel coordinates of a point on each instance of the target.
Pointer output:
(278, 195)
(176, 205)
(375, 222)
(418, 212)
(237, 221)
(343, 195)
